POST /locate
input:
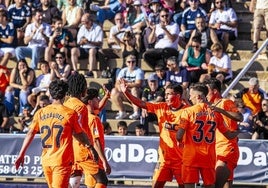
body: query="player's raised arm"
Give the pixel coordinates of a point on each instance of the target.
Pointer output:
(26, 143)
(137, 101)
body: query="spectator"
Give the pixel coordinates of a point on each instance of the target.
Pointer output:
(128, 44)
(165, 38)
(152, 19)
(188, 21)
(4, 117)
(61, 40)
(26, 119)
(41, 84)
(49, 11)
(134, 77)
(152, 93)
(261, 122)
(224, 21)
(4, 78)
(22, 79)
(89, 39)
(245, 126)
(114, 50)
(136, 19)
(208, 35)
(252, 96)
(42, 101)
(161, 73)
(176, 74)
(122, 128)
(7, 38)
(60, 69)
(107, 128)
(195, 59)
(71, 16)
(36, 37)
(108, 10)
(220, 65)
(258, 7)
(139, 130)
(62, 4)
(20, 15)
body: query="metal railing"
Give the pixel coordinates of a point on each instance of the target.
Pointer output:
(245, 69)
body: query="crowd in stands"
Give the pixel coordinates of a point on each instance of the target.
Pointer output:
(183, 41)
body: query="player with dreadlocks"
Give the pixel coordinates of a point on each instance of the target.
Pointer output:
(85, 161)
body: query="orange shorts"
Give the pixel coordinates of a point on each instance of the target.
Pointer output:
(230, 160)
(164, 172)
(191, 175)
(57, 176)
(89, 168)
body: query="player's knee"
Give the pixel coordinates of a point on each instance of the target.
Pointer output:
(74, 182)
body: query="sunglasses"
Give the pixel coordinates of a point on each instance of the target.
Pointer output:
(197, 46)
(194, 1)
(58, 57)
(169, 65)
(131, 61)
(164, 15)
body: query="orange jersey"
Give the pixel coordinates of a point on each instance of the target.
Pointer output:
(223, 145)
(200, 123)
(252, 101)
(81, 153)
(168, 126)
(56, 124)
(97, 131)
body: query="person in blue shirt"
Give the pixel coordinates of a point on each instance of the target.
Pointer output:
(61, 40)
(7, 38)
(20, 15)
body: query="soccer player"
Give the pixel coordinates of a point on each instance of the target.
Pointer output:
(227, 150)
(92, 101)
(84, 161)
(57, 125)
(197, 131)
(170, 154)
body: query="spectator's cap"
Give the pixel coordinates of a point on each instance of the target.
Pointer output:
(152, 77)
(253, 81)
(155, 1)
(136, 3)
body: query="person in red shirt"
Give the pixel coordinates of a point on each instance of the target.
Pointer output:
(197, 131)
(170, 154)
(227, 151)
(4, 78)
(57, 125)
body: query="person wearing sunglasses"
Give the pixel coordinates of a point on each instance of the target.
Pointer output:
(261, 122)
(134, 77)
(60, 69)
(195, 59)
(224, 21)
(164, 38)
